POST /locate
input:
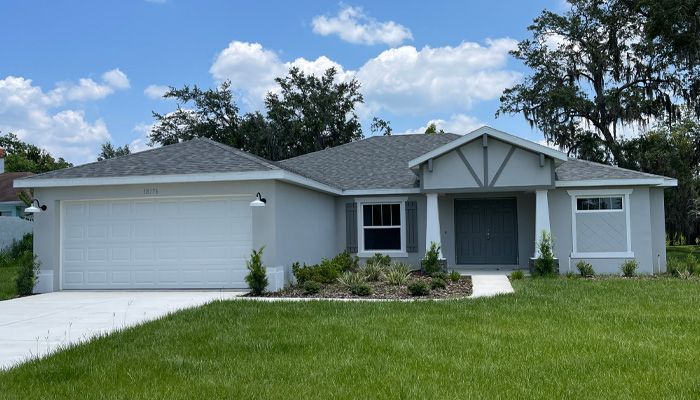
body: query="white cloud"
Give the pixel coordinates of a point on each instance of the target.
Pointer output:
(43, 119)
(116, 79)
(352, 25)
(155, 91)
(141, 143)
(400, 80)
(457, 123)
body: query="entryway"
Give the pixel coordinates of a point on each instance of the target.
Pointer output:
(486, 231)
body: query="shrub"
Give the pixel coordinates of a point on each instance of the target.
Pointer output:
(257, 277)
(372, 271)
(455, 276)
(675, 266)
(380, 259)
(418, 288)
(361, 289)
(683, 268)
(516, 275)
(570, 275)
(28, 268)
(351, 279)
(438, 283)
(585, 269)
(345, 262)
(629, 268)
(18, 247)
(431, 260)
(324, 272)
(692, 265)
(311, 287)
(544, 264)
(397, 274)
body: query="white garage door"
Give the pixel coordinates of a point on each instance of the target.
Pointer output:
(163, 243)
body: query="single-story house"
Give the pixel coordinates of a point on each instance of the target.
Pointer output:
(10, 203)
(182, 216)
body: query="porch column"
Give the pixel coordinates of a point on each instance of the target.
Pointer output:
(432, 223)
(541, 216)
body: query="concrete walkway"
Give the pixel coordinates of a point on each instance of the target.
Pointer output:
(487, 284)
(35, 326)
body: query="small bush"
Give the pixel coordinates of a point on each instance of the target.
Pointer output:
(311, 287)
(324, 272)
(373, 271)
(380, 259)
(438, 283)
(585, 269)
(516, 275)
(692, 265)
(544, 264)
(257, 275)
(361, 289)
(431, 260)
(345, 262)
(26, 273)
(19, 247)
(675, 266)
(455, 276)
(570, 275)
(397, 274)
(418, 288)
(629, 268)
(683, 268)
(351, 279)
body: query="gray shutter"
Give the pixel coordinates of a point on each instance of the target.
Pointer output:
(412, 226)
(351, 227)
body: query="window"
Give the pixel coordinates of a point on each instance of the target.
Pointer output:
(381, 227)
(611, 203)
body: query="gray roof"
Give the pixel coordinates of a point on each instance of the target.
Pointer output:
(574, 170)
(378, 162)
(190, 157)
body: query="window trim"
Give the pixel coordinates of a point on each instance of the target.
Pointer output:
(401, 201)
(575, 195)
(599, 196)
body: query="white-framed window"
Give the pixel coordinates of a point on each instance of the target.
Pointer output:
(381, 226)
(600, 223)
(613, 203)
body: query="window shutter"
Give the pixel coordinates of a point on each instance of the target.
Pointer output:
(412, 226)
(351, 227)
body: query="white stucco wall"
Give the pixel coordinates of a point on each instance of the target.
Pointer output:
(13, 228)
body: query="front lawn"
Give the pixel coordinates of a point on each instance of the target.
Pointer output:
(682, 251)
(559, 338)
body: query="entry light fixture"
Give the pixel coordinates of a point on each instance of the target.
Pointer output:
(259, 201)
(35, 207)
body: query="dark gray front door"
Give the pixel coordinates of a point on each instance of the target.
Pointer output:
(486, 231)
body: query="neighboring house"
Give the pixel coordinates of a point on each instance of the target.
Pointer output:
(10, 204)
(180, 216)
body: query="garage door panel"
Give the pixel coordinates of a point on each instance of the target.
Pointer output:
(156, 243)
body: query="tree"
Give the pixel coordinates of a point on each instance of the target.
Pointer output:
(671, 151)
(598, 67)
(381, 126)
(309, 113)
(432, 129)
(213, 115)
(109, 151)
(25, 157)
(314, 113)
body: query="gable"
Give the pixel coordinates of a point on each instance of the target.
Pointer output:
(487, 164)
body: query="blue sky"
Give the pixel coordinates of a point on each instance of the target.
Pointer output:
(74, 74)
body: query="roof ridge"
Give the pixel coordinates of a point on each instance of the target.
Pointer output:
(249, 156)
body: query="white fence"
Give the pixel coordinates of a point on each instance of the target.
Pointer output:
(13, 228)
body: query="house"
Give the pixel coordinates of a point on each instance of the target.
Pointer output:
(10, 203)
(181, 216)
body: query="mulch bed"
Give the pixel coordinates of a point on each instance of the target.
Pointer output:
(382, 290)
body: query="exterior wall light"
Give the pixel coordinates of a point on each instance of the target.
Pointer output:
(35, 207)
(259, 201)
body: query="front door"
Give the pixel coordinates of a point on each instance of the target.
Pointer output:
(486, 231)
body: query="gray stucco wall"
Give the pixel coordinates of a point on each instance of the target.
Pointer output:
(13, 228)
(305, 226)
(658, 228)
(644, 244)
(47, 223)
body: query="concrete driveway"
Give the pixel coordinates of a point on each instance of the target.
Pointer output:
(35, 326)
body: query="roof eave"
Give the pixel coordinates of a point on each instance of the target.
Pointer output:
(659, 182)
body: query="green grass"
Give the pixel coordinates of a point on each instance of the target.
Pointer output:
(558, 338)
(8, 288)
(682, 251)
